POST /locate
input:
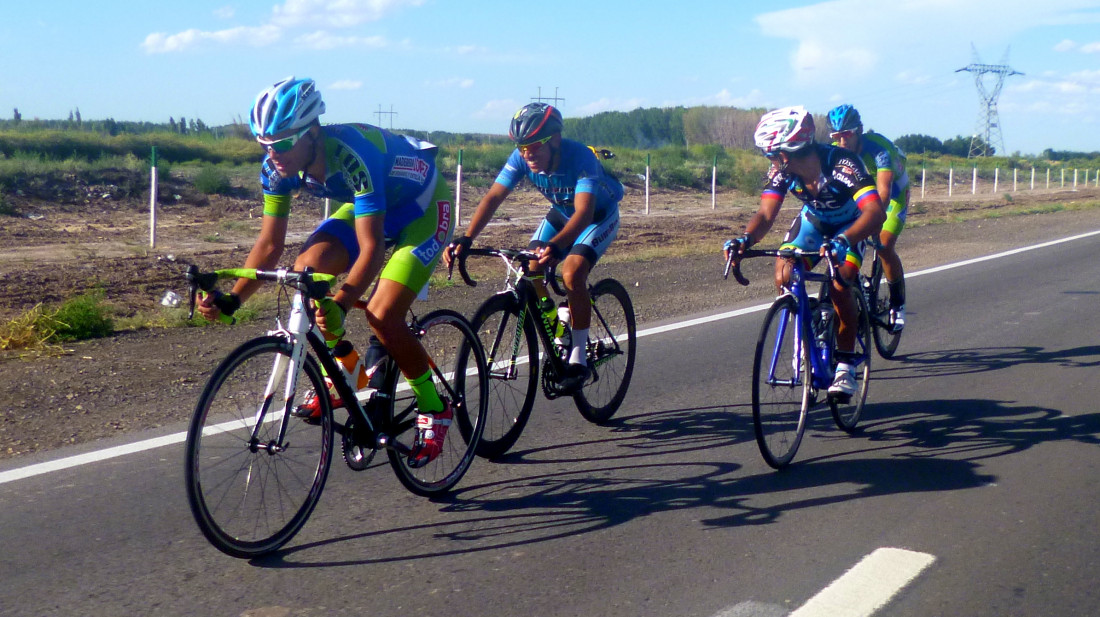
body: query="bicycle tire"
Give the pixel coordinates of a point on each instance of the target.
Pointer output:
(248, 501)
(781, 384)
(460, 374)
(847, 414)
(878, 300)
(612, 343)
(512, 353)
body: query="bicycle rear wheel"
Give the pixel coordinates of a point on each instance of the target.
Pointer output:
(250, 495)
(460, 374)
(511, 345)
(878, 301)
(846, 414)
(781, 384)
(612, 338)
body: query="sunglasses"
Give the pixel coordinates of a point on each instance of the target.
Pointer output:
(284, 145)
(534, 146)
(842, 134)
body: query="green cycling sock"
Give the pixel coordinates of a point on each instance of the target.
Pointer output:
(427, 399)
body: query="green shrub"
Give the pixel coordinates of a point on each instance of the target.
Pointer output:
(79, 318)
(212, 181)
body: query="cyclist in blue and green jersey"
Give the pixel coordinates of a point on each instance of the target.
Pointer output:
(582, 222)
(886, 162)
(840, 209)
(389, 194)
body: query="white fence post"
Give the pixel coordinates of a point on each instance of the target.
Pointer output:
(153, 201)
(950, 180)
(974, 183)
(1075, 179)
(647, 184)
(458, 190)
(1033, 178)
(996, 178)
(714, 184)
(922, 172)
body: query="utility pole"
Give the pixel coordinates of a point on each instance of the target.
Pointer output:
(554, 98)
(391, 113)
(989, 121)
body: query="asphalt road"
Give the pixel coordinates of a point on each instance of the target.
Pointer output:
(978, 458)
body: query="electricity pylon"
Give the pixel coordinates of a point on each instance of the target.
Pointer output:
(989, 121)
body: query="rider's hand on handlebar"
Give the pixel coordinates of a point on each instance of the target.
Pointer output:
(455, 249)
(214, 304)
(550, 254)
(736, 245)
(330, 318)
(838, 246)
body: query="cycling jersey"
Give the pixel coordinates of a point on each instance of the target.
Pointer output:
(844, 187)
(880, 154)
(579, 171)
(370, 171)
(371, 168)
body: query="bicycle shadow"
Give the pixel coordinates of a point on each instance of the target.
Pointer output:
(939, 447)
(967, 361)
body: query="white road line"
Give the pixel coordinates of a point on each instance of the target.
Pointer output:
(140, 446)
(868, 586)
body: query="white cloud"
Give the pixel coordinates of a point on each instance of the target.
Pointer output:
(498, 110)
(335, 13)
(1065, 45)
(908, 78)
(1091, 48)
(324, 40)
(346, 84)
(225, 12)
(291, 15)
(160, 42)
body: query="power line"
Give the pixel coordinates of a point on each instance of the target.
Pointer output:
(989, 121)
(391, 113)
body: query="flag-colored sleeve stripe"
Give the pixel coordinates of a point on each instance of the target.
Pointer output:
(864, 195)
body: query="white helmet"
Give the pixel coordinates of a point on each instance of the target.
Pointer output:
(289, 104)
(788, 129)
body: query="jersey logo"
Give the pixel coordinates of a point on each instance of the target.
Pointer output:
(410, 168)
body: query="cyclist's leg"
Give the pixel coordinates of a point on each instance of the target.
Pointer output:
(331, 249)
(845, 305)
(586, 251)
(415, 256)
(547, 229)
(896, 215)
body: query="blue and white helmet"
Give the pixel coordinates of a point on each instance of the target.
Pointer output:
(789, 129)
(845, 118)
(289, 104)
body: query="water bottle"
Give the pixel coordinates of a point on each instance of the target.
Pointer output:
(563, 336)
(375, 362)
(347, 355)
(549, 315)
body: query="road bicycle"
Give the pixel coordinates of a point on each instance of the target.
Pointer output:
(255, 470)
(795, 356)
(511, 325)
(877, 293)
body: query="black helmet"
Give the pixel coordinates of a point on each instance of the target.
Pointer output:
(534, 122)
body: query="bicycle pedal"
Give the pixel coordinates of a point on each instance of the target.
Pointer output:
(840, 399)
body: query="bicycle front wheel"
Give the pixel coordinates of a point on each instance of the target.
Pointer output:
(878, 300)
(612, 339)
(461, 377)
(781, 384)
(250, 485)
(846, 414)
(511, 345)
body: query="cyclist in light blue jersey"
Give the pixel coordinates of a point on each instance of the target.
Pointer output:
(582, 222)
(390, 194)
(886, 162)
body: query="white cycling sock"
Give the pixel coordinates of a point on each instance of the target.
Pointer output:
(580, 343)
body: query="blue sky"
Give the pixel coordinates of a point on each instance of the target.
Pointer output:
(467, 65)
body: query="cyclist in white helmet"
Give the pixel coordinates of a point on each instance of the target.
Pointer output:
(840, 210)
(389, 194)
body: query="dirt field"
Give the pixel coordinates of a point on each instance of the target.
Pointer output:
(669, 259)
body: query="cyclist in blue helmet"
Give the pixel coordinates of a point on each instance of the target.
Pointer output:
(840, 209)
(388, 193)
(886, 162)
(582, 222)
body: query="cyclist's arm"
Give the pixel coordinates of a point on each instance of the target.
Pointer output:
(486, 208)
(369, 230)
(884, 181)
(870, 220)
(762, 221)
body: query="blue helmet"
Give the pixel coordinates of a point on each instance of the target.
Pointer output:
(845, 118)
(287, 105)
